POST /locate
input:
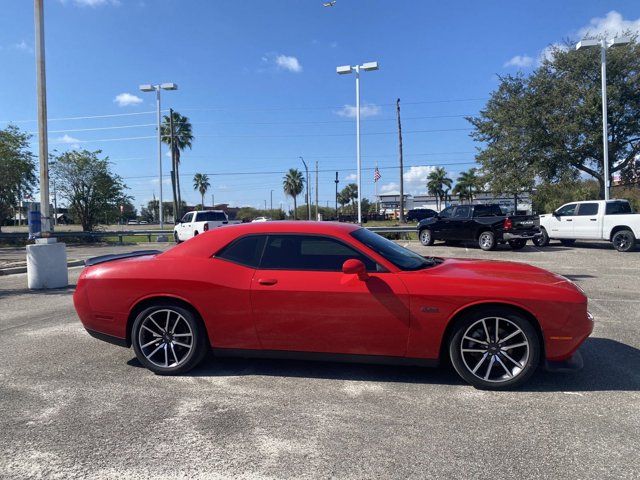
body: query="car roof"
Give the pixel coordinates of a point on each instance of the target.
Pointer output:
(210, 242)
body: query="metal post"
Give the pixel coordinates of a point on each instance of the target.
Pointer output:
(161, 213)
(306, 169)
(401, 212)
(336, 180)
(41, 86)
(605, 130)
(316, 190)
(358, 173)
(271, 201)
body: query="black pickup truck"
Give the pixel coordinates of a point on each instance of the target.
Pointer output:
(484, 224)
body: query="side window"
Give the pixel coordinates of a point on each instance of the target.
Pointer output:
(187, 217)
(617, 208)
(309, 252)
(462, 212)
(484, 211)
(588, 209)
(568, 210)
(447, 212)
(245, 251)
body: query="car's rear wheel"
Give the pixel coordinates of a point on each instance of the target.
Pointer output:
(541, 240)
(168, 339)
(426, 237)
(624, 240)
(487, 241)
(495, 348)
(517, 244)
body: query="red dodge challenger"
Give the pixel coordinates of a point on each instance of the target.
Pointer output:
(332, 291)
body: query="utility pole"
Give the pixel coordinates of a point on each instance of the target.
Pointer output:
(55, 204)
(306, 169)
(174, 179)
(43, 147)
(401, 163)
(316, 190)
(337, 181)
(271, 201)
(213, 204)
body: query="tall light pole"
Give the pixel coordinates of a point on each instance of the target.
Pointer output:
(271, 201)
(307, 182)
(41, 87)
(337, 181)
(344, 70)
(157, 88)
(604, 44)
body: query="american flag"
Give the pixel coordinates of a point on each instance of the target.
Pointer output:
(376, 175)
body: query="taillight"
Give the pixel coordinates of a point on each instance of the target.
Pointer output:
(508, 224)
(206, 227)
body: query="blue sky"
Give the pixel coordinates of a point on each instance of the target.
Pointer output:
(257, 79)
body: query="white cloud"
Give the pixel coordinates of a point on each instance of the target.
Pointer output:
(522, 61)
(67, 139)
(127, 99)
(611, 24)
(92, 3)
(23, 47)
(351, 177)
(367, 110)
(286, 62)
(547, 52)
(415, 181)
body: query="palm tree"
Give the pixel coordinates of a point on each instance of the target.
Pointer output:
(292, 184)
(466, 185)
(182, 138)
(438, 185)
(201, 184)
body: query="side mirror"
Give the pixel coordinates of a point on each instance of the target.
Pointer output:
(556, 214)
(354, 266)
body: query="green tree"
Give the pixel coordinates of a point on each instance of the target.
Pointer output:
(467, 185)
(90, 189)
(292, 184)
(438, 185)
(547, 126)
(17, 169)
(182, 139)
(201, 184)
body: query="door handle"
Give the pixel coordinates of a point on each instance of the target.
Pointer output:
(569, 220)
(267, 281)
(593, 219)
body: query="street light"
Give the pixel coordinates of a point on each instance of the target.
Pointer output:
(307, 182)
(157, 88)
(604, 44)
(345, 70)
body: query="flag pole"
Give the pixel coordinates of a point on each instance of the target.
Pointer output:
(375, 185)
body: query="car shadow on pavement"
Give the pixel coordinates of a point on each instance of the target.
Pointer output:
(608, 366)
(11, 292)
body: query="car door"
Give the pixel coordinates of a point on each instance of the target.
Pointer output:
(442, 225)
(561, 222)
(585, 223)
(460, 226)
(303, 302)
(186, 226)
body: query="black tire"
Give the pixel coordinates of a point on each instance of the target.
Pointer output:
(195, 234)
(517, 244)
(567, 242)
(175, 237)
(426, 237)
(185, 358)
(624, 240)
(541, 240)
(527, 357)
(487, 240)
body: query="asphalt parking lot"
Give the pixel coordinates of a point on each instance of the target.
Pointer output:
(73, 406)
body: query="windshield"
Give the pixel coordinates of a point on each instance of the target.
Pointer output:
(401, 257)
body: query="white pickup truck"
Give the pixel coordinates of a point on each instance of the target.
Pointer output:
(193, 223)
(611, 220)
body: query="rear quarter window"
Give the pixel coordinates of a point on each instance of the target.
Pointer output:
(617, 208)
(245, 251)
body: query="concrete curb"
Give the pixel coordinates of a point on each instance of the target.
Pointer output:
(14, 270)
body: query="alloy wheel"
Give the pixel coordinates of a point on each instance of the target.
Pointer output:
(165, 338)
(495, 349)
(486, 240)
(622, 240)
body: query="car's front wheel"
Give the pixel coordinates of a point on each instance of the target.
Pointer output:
(426, 237)
(168, 339)
(176, 237)
(495, 348)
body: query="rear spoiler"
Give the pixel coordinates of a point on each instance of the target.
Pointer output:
(118, 256)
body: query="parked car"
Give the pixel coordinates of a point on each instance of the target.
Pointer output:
(197, 222)
(417, 214)
(611, 220)
(132, 222)
(324, 290)
(144, 222)
(261, 219)
(485, 224)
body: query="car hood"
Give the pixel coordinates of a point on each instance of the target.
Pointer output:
(497, 272)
